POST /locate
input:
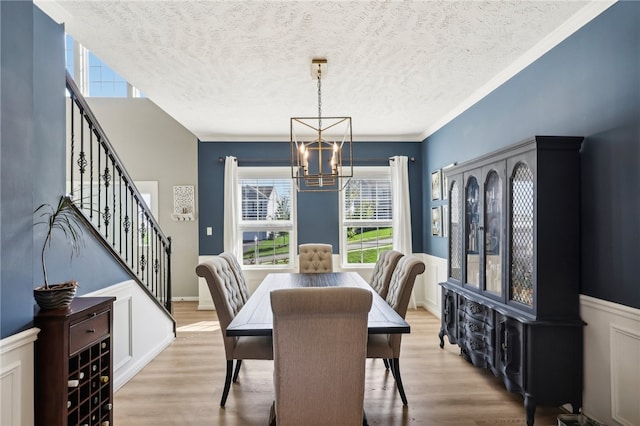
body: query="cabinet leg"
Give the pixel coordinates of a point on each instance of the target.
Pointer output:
(441, 336)
(530, 407)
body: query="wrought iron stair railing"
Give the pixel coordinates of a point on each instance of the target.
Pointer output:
(107, 196)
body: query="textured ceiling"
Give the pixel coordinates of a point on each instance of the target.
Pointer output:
(238, 70)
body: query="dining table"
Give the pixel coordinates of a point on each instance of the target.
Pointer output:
(255, 318)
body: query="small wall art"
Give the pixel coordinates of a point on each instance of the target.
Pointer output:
(436, 221)
(183, 202)
(436, 185)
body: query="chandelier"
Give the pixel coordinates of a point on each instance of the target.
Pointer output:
(321, 147)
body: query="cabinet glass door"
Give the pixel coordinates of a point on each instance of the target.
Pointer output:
(472, 228)
(493, 233)
(455, 230)
(521, 216)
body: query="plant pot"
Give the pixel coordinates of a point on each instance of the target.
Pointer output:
(57, 296)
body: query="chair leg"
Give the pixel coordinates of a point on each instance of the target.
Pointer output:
(235, 373)
(227, 382)
(395, 367)
(386, 363)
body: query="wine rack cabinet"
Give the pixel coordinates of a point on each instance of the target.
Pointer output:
(74, 364)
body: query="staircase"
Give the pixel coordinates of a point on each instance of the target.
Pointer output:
(113, 208)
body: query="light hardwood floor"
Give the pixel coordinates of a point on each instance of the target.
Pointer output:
(183, 385)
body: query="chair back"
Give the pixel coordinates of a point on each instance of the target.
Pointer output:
(319, 348)
(401, 285)
(237, 271)
(383, 270)
(400, 288)
(316, 258)
(225, 294)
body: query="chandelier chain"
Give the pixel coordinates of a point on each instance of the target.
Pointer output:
(319, 96)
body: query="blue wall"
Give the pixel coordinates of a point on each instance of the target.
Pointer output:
(16, 142)
(589, 85)
(318, 219)
(32, 145)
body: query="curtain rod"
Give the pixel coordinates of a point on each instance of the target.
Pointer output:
(286, 160)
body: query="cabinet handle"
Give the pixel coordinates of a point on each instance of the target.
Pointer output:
(93, 314)
(91, 330)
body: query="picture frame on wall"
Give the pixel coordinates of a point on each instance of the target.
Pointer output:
(436, 185)
(436, 221)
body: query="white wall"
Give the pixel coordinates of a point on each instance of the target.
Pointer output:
(154, 147)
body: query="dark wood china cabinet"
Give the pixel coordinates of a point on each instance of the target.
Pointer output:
(511, 299)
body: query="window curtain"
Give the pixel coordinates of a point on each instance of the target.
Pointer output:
(401, 210)
(231, 207)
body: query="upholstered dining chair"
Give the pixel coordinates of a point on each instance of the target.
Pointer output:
(316, 258)
(237, 270)
(382, 271)
(387, 346)
(228, 301)
(319, 348)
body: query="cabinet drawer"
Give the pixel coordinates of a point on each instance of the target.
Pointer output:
(86, 332)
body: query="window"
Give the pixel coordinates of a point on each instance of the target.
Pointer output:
(103, 81)
(92, 76)
(366, 214)
(267, 216)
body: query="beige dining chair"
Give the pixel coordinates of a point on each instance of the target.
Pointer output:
(319, 348)
(237, 270)
(382, 271)
(387, 346)
(227, 299)
(315, 258)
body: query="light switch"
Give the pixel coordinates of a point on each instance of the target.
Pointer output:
(209, 230)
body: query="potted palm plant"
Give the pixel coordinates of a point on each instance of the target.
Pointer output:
(65, 219)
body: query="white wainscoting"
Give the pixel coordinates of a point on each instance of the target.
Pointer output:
(611, 362)
(140, 330)
(427, 292)
(16, 378)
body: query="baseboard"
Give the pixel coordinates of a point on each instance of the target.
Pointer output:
(185, 299)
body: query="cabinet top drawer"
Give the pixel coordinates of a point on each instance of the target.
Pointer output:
(84, 333)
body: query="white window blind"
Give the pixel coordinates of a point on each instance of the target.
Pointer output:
(366, 215)
(267, 216)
